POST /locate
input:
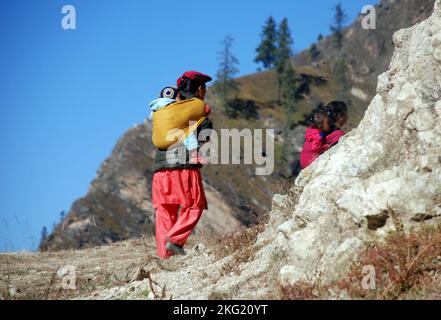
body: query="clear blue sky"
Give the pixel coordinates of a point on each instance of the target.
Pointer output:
(66, 96)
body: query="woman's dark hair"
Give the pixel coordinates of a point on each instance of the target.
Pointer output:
(188, 88)
(336, 109)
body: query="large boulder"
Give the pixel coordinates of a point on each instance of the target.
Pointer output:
(385, 173)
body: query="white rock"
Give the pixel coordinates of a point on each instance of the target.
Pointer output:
(360, 94)
(12, 292)
(391, 163)
(279, 200)
(289, 275)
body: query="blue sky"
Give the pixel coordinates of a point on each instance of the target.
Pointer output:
(66, 96)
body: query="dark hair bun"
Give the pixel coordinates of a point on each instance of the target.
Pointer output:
(335, 109)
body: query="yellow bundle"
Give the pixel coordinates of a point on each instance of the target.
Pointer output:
(174, 117)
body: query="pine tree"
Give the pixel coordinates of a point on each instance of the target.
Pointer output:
(226, 87)
(340, 18)
(284, 50)
(313, 52)
(44, 234)
(289, 92)
(267, 50)
(341, 70)
(43, 240)
(284, 53)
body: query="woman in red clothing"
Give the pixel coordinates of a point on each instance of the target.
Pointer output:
(177, 189)
(324, 131)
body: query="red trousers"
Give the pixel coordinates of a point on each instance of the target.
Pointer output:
(171, 190)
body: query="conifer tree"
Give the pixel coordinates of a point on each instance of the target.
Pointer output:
(285, 42)
(341, 70)
(340, 18)
(43, 240)
(226, 87)
(284, 53)
(313, 52)
(267, 50)
(289, 91)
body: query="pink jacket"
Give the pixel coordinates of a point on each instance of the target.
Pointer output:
(333, 138)
(314, 146)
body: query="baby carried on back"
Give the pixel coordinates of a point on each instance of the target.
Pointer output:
(177, 120)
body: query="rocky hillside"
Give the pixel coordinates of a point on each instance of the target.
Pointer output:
(118, 203)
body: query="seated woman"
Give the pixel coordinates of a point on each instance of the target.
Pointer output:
(315, 143)
(324, 131)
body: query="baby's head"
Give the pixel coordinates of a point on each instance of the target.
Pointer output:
(318, 119)
(169, 93)
(337, 112)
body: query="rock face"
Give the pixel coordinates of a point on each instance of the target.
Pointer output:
(387, 170)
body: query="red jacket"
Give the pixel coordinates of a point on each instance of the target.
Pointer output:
(314, 146)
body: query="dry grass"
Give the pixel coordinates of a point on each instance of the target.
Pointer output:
(236, 242)
(239, 247)
(158, 294)
(5, 290)
(34, 275)
(407, 266)
(283, 186)
(214, 295)
(300, 291)
(403, 263)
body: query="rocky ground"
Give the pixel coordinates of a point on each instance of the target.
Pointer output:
(125, 270)
(123, 266)
(234, 267)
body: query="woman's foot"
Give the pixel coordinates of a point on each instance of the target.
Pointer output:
(175, 248)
